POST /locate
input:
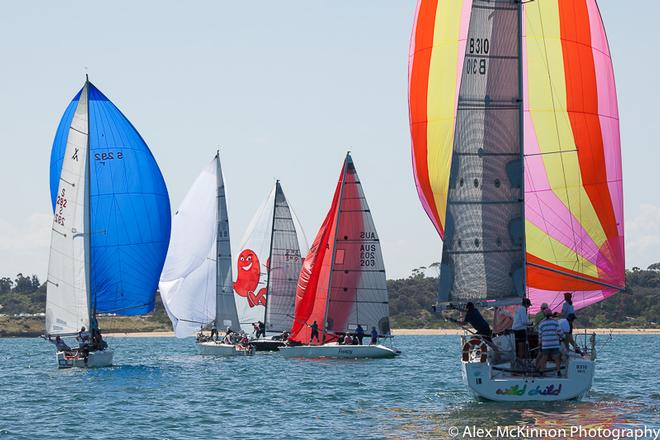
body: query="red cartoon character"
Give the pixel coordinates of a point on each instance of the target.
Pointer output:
(247, 278)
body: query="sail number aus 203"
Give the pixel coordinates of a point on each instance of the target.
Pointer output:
(367, 255)
(477, 46)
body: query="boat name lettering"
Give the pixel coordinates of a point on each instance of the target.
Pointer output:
(110, 155)
(581, 368)
(346, 351)
(515, 390)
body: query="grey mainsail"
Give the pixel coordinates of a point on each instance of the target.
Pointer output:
(483, 252)
(225, 306)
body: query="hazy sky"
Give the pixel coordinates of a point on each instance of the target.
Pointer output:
(286, 87)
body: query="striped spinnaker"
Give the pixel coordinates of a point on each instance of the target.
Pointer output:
(572, 159)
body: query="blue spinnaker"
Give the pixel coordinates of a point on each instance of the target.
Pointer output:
(129, 211)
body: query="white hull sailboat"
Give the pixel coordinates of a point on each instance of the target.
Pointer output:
(267, 269)
(95, 359)
(342, 285)
(517, 162)
(220, 349)
(110, 228)
(196, 283)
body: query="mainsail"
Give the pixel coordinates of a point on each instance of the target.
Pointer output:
(343, 283)
(473, 63)
(117, 236)
(194, 278)
(268, 265)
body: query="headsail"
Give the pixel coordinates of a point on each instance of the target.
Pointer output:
(67, 302)
(342, 283)
(188, 282)
(129, 210)
(465, 109)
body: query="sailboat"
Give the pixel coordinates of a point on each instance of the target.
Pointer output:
(517, 162)
(195, 284)
(342, 283)
(111, 225)
(267, 269)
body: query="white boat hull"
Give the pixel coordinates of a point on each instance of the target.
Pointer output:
(339, 351)
(95, 359)
(220, 349)
(486, 383)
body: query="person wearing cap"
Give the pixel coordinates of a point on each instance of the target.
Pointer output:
(474, 318)
(549, 336)
(540, 314)
(519, 327)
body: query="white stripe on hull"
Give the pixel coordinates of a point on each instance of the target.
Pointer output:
(338, 351)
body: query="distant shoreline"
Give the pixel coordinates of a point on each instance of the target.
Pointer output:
(420, 332)
(395, 332)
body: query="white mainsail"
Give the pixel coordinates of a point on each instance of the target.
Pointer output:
(188, 285)
(67, 299)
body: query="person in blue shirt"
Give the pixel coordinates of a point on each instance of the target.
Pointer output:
(374, 336)
(474, 318)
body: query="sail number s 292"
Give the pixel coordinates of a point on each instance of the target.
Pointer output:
(60, 204)
(110, 155)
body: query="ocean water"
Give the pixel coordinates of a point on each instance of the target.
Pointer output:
(160, 388)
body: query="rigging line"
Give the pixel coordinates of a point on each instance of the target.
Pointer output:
(577, 277)
(561, 157)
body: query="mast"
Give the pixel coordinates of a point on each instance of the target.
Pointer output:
(521, 137)
(87, 236)
(218, 281)
(270, 253)
(334, 244)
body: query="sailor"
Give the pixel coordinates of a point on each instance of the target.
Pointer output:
(374, 336)
(227, 338)
(255, 329)
(214, 331)
(567, 309)
(359, 334)
(348, 340)
(519, 327)
(549, 335)
(315, 332)
(83, 337)
(261, 329)
(540, 315)
(355, 341)
(98, 342)
(60, 344)
(474, 318)
(567, 336)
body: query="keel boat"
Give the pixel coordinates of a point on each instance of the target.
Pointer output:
(517, 162)
(267, 269)
(110, 230)
(342, 283)
(195, 285)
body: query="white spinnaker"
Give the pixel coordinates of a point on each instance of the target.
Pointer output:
(67, 306)
(252, 275)
(188, 281)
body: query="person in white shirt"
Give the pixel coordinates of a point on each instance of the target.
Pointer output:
(567, 336)
(520, 323)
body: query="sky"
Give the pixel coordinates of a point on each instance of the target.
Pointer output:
(285, 88)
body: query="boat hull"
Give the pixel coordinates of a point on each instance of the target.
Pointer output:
(267, 344)
(218, 349)
(95, 359)
(486, 383)
(339, 351)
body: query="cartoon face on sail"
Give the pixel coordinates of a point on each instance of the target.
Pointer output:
(249, 279)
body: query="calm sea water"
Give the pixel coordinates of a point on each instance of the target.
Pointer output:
(160, 388)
